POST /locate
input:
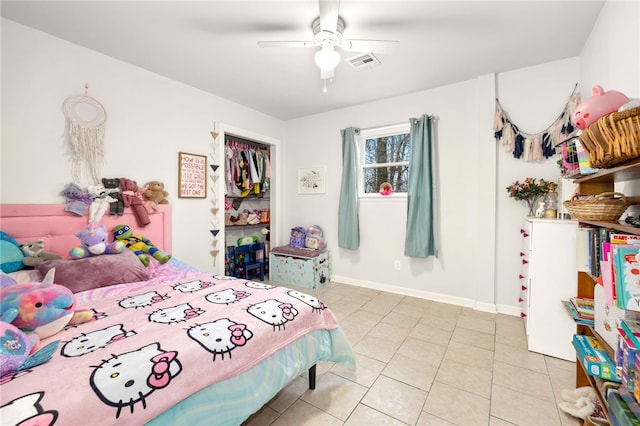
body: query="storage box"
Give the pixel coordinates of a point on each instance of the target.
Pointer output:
(594, 358)
(307, 269)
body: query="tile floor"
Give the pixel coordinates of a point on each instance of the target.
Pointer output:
(425, 363)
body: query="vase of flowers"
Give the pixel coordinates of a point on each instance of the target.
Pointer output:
(530, 191)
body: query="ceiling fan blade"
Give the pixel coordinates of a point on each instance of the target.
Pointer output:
(329, 15)
(280, 44)
(375, 46)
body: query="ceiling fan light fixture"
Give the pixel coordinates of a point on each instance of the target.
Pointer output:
(327, 58)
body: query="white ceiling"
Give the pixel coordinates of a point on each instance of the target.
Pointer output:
(212, 45)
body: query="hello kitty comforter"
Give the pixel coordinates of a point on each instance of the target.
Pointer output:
(146, 351)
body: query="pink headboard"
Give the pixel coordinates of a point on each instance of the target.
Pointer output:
(49, 222)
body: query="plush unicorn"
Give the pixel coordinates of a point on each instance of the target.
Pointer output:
(94, 242)
(42, 308)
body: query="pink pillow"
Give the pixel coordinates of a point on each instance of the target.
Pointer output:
(96, 271)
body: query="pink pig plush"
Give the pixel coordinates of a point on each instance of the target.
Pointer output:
(600, 104)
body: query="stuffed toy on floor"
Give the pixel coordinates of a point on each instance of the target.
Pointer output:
(140, 245)
(94, 239)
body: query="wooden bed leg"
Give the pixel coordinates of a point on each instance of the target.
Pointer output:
(312, 377)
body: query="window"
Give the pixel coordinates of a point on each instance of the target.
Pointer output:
(384, 157)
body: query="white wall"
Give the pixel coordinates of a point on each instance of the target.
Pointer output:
(150, 119)
(611, 54)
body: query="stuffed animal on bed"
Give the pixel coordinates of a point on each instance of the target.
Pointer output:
(155, 192)
(129, 189)
(94, 239)
(112, 187)
(43, 308)
(140, 245)
(78, 200)
(101, 202)
(34, 253)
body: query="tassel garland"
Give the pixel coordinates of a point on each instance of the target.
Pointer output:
(539, 146)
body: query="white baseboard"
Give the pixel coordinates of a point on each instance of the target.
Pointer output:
(435, 297)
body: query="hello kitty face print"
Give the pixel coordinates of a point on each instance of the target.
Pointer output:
(175, 314)
(258, 286)
(142, 300)
(130, 378)
(191, 286)
(316, 305)
(220, 337)
(273, 312)
(86, 343)
(27, 410)
(227, 296)
(223, 277)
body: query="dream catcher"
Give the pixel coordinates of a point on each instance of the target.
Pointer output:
(86, 119)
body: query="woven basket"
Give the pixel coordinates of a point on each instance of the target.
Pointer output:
(600, 207)
(613, 139)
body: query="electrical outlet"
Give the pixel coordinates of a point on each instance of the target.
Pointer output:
(396, 265)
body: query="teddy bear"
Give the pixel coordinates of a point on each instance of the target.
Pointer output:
(34, 253)
(128, 190)
(112, 186)
(78, 200)
(101, 202)
(94, 243)
(155, 192)
(140, 245)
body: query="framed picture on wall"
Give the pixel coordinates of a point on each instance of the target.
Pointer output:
(311, 180)
(192, 175)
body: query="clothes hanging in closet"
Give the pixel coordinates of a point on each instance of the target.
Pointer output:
(248, 169)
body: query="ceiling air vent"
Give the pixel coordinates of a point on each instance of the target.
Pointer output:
(363, 61)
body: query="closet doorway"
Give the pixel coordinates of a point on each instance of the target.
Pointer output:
(248, 187)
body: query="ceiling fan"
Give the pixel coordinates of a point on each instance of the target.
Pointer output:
(328, 29)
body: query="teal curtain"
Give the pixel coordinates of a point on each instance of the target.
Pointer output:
(348, 225)
(420, 240)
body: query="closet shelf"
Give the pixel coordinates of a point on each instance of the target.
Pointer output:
(257, 225)
(248, 197)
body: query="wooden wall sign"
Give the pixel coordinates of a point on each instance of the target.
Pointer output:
(192, 175)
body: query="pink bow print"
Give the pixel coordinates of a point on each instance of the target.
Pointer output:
(157, 298)
(160, 376)
(241, 294)
(286, 311)
(237, 334)
(191, 313)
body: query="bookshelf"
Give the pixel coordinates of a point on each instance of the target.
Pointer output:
(600, 182)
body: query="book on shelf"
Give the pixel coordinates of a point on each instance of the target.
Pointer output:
(571, 310)
(632, 328)
(630, 400)
(594, 358)
(584, 306)
(626, 271)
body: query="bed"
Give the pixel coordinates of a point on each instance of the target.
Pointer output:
(183, 346)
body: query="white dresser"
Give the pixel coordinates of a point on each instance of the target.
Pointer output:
(548, 276)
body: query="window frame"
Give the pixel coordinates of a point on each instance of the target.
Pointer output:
(377, 132)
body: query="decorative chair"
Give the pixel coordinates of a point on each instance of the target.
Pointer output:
(246, 265)
(230, 261)
(259, 251)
